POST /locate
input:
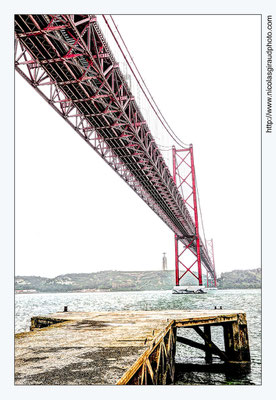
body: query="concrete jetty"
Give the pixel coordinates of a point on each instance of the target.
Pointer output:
(126, 347)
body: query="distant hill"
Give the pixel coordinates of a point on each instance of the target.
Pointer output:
(130, 280)
(241, 279)
(101, 281)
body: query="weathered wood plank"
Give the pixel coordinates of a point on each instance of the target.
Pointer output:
(212, 345)
(197, 345)
(236, 340)
(191, 343)
(208, 352)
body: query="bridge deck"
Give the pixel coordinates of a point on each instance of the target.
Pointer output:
(67, 60)
(99, 348)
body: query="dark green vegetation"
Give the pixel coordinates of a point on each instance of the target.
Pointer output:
(240, 279)
(136, 280)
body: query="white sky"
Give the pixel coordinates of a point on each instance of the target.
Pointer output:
(74, 214)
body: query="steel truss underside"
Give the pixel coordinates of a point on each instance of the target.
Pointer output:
(66, 59)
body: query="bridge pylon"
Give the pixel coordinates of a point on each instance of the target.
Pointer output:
(212, 281)
(184, 178)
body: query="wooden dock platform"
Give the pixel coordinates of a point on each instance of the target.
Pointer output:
(126, 347)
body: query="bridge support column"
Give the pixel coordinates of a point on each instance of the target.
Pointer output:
(210, 248)
(176, 261)
(184, 178)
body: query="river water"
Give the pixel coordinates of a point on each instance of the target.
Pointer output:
(29, 305)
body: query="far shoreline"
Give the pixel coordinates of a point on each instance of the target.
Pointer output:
(123, 291)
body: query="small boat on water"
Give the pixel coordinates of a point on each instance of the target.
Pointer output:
(189, 290)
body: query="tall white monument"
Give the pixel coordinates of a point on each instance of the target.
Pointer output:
(164, 264)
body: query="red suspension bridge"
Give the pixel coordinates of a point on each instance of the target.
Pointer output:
(67, 60)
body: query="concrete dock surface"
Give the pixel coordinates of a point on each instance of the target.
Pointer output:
(105, 348)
